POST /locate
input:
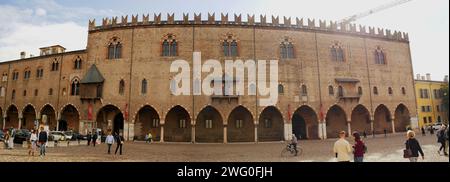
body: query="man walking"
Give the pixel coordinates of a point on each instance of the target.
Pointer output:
(43, 138)
(342, 148)
(119, 140)
(94, 138)
(88, 138)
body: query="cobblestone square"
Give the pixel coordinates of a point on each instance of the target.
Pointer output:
(380, 149)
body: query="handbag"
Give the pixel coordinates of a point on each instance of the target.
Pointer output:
(407, 153)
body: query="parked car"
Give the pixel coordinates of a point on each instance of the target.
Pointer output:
(74, 136)
(57, 136)
(22, 135)
(436, 126)
(68, 135)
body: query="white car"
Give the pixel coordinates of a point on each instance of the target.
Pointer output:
(57, 135)
(437, 126)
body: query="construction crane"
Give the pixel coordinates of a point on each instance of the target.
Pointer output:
(355, 17)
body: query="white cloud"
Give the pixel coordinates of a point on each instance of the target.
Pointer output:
(40, 12)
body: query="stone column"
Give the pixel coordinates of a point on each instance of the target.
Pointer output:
(4, 123)
(193, 134)
(371, 126)
(225, 140)
(256, 133)
(349, 128)
(393, 124)
(162, 133)
(20, 123)
(324, 129)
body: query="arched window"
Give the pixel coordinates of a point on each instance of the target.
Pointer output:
(375, 90)
(144, 86)
(304, 90)
(287, 49)
(75, 88)
(280, 89)
(114, 49)
(50, 91)
(24, 93)
(380, 57)
(169, 46)
(121, 87)
(337, 53)
(390, 91)
(36, 92)
(340, 91)
(26, 74)
(77, 63)
(230, 46)
(13, 95)
(40, 73)
(360, 91)
(15, 75)
(55, 65)
(403, 91)
(2, 91)
(330, 90)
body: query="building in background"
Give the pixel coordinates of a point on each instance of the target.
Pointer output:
(429, 95)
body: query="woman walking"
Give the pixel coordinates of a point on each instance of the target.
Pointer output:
(33, 141)
(109, 141)
(358, 148)
(413, 147)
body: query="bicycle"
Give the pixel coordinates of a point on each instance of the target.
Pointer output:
(289, 151)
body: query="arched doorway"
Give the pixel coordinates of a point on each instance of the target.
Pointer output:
(147, 120)
(177, 126)
(336, 121)
(271, 125)
(12, 117)
(110, 118)
(241, 127)
(48, 117)
(29, 116)
(305, 123)
(382, 120)
(209, 126)
(402, 118)
(70, 119)
(361, 119)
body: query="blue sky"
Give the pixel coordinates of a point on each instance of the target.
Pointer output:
(38, 23)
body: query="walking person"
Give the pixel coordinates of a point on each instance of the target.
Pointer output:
(385, 132)
(109, 141)
(6, 138)
(342, 148)
(359, 148)
(413, 147)
(94, 138)
(149, 138)
(441, 139)
(42, 139)
(119, 140)
(88, 138)
(12, 133)
(423, 131)
(33, 142)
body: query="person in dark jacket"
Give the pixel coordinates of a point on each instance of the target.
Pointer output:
(94, 138)
(89, 138)
(441, 139)
(42, 139)
(358, 148)
(413, 145)
(423, 131)
(119, 140)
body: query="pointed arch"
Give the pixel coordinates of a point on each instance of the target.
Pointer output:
(177, 125)
(271, 125)
(209, 125)
(305, 123)
(382, 120)
(402, 118)
(147, 120)
(336, 121)
(241, 127)
(360, 119)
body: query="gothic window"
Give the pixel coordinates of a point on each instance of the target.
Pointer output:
(403, 91)
(360, 91)
(155, 123)
(114, 49)
(26, 74)
(75, 88)
(182, 123)
(337, 53)
(169, 46)
(77, 63)
(380, 57)
(13, 95)
(239, 123)
(230, 47)
(36, 92)
(330, 90)
(375, 90)
(280, 89)
(208, 124)
(390, 92)
(340, 91)
(287, 49)
(24, 93)
(40, 73)
(15, 75)
(304, 91)
(50, 91)
(55, 65)
(144, 87)
(121, 87)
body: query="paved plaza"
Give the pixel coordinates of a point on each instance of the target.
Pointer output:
(380, 149)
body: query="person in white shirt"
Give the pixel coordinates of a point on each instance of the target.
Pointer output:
(33, 140)
(109, 141)
(342, 148)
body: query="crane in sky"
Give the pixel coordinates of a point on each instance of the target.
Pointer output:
(355, 17)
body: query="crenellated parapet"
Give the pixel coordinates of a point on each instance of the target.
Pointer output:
(311, 24)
